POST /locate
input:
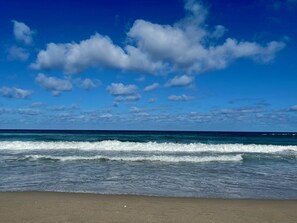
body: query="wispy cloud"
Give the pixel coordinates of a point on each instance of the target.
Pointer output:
(293, 108)
(22, 32)
(20, 111)
(180, 81)
(17, 93)
(182, 97)
(138, 111)
(152, 100)
(134, 97)
(36, 104)
(18, 53)
(64, 108)
(151, 87)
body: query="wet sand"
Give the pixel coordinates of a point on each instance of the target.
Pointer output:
(74, 207)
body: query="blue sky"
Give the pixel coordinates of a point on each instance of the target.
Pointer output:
(149, 65)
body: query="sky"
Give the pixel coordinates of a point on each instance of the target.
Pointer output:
(149, 65)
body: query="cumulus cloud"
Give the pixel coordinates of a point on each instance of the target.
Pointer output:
(18, 53)
(76, 57)
(123, 92)
(152, 87)
(189, 45)
(16, 93)
(22, 32)
(97, 51)
(116, 89)
(55, 85)
(180, 81)
(88, 83)
(185, 51)
(182, 97)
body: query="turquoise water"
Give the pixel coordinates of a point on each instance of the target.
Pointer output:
(187, 164)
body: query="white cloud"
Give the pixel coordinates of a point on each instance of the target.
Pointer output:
(18, 53)
(196, 13)
(138, 111)
(293, 108)
(27, 111)
(22, 32)
(55, 85)
(189, 45)
(182, 49)
(218, 32)
(36, 104)
(107, 116)
(152, 87)
(16, 93)
(179, 81)
(97, 51)
(182, 97)
(64, 108)
(140, 78)
(116, 89)
(76, 57)
(135, 109)
(123, 92)
(88, 83)
(21, 111)
(159, 42)
(135, 97)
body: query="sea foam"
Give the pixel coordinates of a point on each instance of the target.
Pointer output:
(114, 145)
(168, 159)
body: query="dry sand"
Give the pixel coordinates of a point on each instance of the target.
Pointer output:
(70, 207)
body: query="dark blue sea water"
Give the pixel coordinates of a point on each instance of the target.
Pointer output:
(187, 164)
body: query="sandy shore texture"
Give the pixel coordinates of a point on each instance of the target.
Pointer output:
(72, 207)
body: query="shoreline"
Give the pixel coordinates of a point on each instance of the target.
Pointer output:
(149, 196)
(88, 207)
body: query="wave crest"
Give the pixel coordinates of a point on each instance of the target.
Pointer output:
(114, 145)
(167, 159)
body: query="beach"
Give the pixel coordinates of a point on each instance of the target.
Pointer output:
(78, 207)
(123, 176)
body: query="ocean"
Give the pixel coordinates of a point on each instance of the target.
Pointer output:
(156, 163)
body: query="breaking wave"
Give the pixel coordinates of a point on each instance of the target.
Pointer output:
(114, 145)
(167, 159)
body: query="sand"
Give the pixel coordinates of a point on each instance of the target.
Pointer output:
(71, 207)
